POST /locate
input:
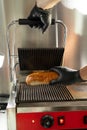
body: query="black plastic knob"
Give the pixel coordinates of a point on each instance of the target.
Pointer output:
(47, 121)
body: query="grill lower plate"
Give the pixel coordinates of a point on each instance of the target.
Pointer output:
(43, 93)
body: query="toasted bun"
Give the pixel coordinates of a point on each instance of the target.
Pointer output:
(41, 77)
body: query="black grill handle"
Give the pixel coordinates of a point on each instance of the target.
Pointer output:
(30, 22)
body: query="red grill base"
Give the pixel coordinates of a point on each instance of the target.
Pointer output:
(32, 121)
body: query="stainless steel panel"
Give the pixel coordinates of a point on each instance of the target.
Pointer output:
(4, 71)
(57, 106)
(24, 36)
(76, 47)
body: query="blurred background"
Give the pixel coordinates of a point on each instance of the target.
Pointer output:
(23, 36)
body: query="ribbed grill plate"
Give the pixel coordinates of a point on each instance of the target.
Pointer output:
(39, 58)
(43, 93)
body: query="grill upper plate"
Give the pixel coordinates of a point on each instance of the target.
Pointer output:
(39, 58)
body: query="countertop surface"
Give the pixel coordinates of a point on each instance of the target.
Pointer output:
(78, 91)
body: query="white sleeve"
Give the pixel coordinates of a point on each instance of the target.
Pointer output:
(47, 4)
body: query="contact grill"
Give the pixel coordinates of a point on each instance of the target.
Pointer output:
(43, 107)
(43, 93)
(31, 59)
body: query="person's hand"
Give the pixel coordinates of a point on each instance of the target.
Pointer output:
(42, 17)
(67, 76)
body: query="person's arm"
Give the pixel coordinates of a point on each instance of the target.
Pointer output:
(47, 4)
(83, 73)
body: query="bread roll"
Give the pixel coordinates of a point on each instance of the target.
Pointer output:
(41, 77)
